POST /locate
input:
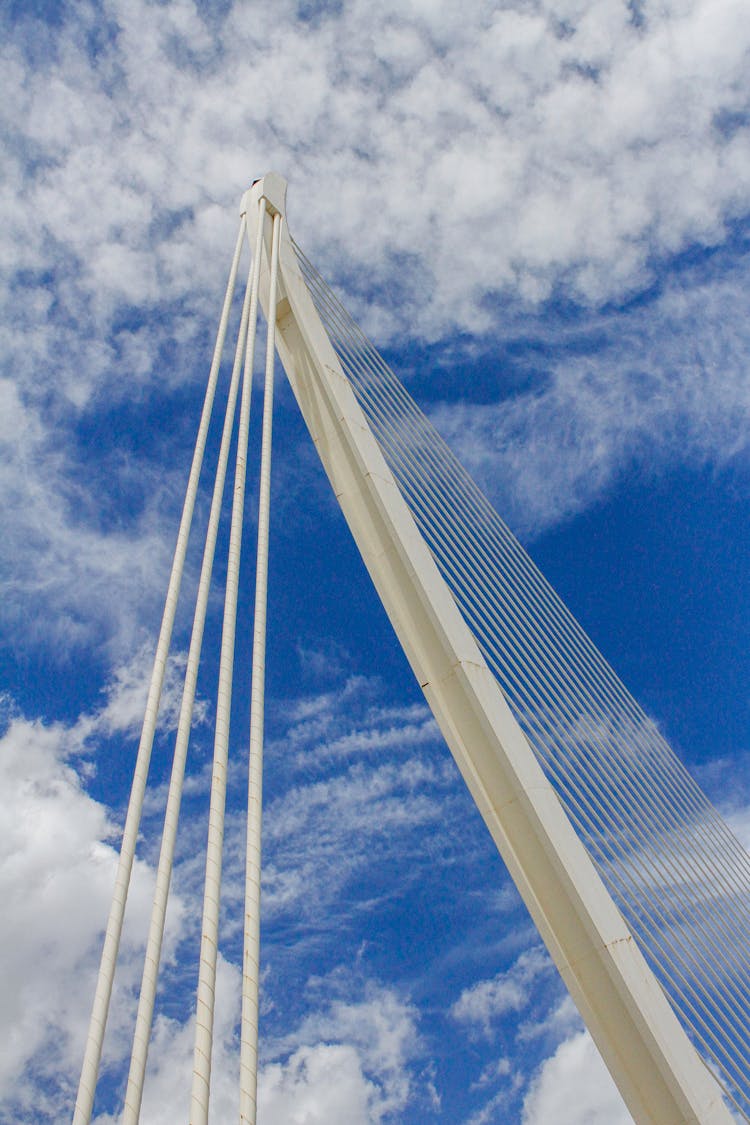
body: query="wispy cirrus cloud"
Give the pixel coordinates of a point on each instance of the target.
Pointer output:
(641, 390)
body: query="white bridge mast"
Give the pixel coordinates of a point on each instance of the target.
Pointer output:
(659, 1073)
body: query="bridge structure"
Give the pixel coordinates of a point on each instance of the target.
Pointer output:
(638, 888)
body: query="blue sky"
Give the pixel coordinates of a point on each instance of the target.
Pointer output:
(539, 213)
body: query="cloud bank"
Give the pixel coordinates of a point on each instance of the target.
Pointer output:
(449, 171)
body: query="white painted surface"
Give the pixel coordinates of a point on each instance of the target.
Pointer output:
(659, 1073)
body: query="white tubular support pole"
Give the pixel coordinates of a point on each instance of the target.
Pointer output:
(95, 1038)
(659, 1073)
(251, 958)
(144, 1018)
(204, 1016)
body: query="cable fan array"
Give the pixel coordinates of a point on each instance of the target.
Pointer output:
(241, 377)
(675, 870)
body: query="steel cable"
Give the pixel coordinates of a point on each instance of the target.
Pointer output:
(638, 810)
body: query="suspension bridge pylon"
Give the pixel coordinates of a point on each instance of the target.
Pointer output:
(638, 889)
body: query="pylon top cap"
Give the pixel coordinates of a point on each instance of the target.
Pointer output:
(272, 188)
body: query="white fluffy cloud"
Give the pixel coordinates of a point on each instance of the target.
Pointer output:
(514, 147)
(484, 1003)
(574, 1087)
(57, 869)
(319, 1085)
(348, 1064)
(58, 860)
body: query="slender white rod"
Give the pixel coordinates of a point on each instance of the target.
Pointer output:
(100, 1010)
(204, 1016)
(142, 1034)
(251, 958)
